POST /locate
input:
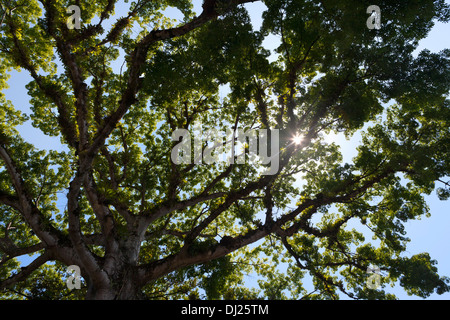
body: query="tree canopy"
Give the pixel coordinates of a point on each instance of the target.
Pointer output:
(140, 226)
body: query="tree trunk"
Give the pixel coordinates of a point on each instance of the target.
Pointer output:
(122, 287)
(123, 281)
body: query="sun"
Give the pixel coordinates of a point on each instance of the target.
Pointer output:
(297, 139)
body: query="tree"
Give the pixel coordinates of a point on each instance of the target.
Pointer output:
(140, 225)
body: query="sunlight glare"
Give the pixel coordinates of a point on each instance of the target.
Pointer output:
(297, 139)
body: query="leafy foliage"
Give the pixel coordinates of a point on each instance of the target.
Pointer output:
(140, 226)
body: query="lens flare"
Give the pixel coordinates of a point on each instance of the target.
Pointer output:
(297, 139)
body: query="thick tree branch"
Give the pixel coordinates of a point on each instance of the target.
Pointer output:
(10, 200)
(26, 271)
(12, 251)
(51, 90)
(107, 223)
(24, 203)
(89, 261)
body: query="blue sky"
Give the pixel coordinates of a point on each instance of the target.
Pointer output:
(427, 235)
